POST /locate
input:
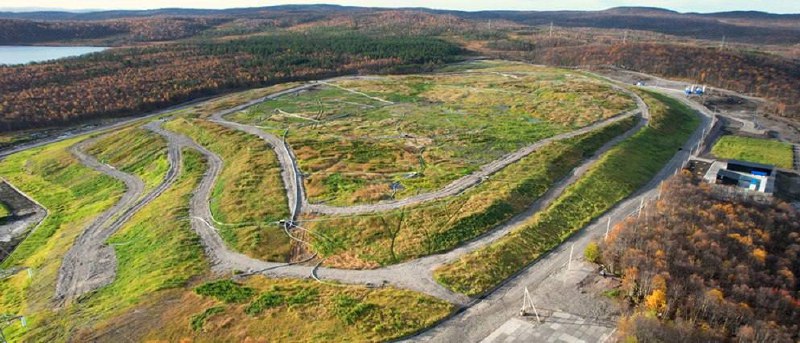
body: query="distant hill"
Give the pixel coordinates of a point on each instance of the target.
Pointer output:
(741, 26)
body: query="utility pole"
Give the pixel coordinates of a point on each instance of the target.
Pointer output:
(551, 29)
(625, 38)
(608, 228)
(571, 250)
(641, 207)
(722, 44)
(527, 301)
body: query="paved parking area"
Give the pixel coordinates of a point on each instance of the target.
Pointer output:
(558, 327)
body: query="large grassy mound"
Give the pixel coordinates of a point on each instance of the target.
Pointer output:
(261, 309)
(135, 151)
(442, 225)
(354, 138)
(615, 176)
(249, 197)
(74, 195)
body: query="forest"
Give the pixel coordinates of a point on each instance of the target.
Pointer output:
(15, 31)
(706, 269)
(128, 81)
(165, 57)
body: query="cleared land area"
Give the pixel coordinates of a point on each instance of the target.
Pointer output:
(618, 173)
(756, 150)
(232, 183)
(367, 139)
(248, 198)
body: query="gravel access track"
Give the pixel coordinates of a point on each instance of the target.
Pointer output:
(91, 263)
(293, 181)
(415, 275)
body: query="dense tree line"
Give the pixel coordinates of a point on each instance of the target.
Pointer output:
(764, 75)
(131, 80)
(705, 269)
(15, 31)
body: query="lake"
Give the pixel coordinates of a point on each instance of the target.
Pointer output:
(26, 54)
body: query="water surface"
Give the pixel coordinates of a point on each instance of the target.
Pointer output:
(11, 54)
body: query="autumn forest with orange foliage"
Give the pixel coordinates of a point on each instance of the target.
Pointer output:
(706, 269)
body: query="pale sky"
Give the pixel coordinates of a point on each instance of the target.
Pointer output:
(774, 6)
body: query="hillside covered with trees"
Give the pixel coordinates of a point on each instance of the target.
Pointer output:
(704, 269)
(164, 57)
(132, 80)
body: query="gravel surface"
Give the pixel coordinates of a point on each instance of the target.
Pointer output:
(293, 178)
(415, 275)
(491, 312)
(91, 263)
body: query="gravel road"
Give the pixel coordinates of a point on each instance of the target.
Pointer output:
(487, 314)
(293, 178)
(415, 275)
(91, 263)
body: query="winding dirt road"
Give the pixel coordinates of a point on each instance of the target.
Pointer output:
(293, 181)
(415, 275)
(91, 263)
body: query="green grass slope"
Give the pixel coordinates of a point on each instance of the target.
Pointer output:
(615, 176)
(444, 224)
(135, 151)
(249, 197)
(74, 195)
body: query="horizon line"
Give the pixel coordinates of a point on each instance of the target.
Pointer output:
(22, 9)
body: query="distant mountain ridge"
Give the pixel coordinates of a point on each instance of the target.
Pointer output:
(117, 14)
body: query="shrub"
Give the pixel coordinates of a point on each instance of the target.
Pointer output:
(265, 301)
(226, 291)
(592, 252)
(349, 309)
(199, 320)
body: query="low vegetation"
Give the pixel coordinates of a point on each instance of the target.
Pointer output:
(226, 291)
(754, 150)
(297, 310)
(135, 151)
(74, 195)
(371, 139)
(4, 210)
(249, 197)
(706, 269)
(161, 229)
(615, 176)
(441, 225)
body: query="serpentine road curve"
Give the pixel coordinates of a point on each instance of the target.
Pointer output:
(415, 274)
(293, 181)
(91, 264)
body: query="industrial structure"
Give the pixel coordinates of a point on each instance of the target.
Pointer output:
(746, 175)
